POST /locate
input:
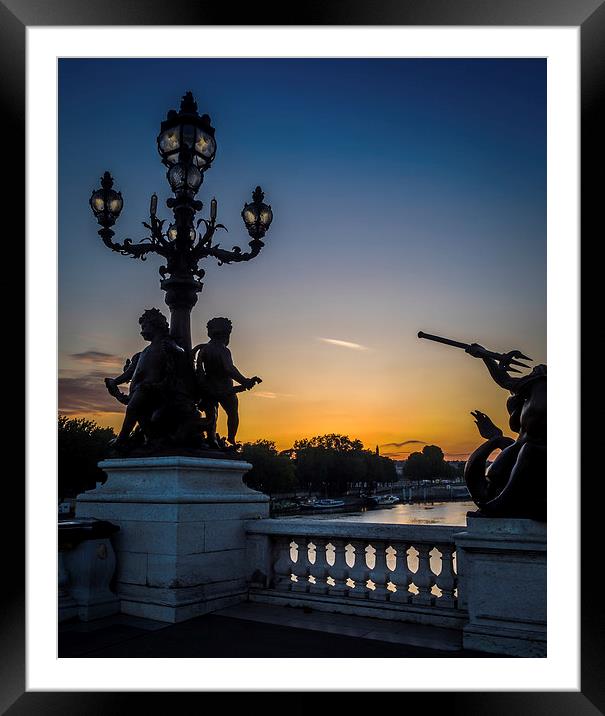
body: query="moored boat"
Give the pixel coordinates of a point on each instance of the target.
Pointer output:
(381, 500)
(324, 504)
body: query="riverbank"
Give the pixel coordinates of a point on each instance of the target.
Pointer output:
(407, 494)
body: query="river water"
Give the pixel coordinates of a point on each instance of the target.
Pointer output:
(419, 513)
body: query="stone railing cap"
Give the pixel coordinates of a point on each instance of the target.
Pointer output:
(72, 532)
(340, 529)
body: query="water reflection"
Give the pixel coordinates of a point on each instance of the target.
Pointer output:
(420, 513)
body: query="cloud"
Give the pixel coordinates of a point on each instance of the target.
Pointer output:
(86, 394)
(344, 344)
(398, 453)
(97, 357)
(405, 442)
(270, 395)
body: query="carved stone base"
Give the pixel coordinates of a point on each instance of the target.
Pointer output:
(91, 566)
(502, 577)
(68, 607)
(181, 548)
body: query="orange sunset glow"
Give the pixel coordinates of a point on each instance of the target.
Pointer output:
(396, 395)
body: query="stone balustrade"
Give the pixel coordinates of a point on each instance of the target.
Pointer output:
(405, 572)
(194, 539)
(486, 580)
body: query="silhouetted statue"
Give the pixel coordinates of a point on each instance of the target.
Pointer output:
(161, 400)
(514, 485)
(215, 373)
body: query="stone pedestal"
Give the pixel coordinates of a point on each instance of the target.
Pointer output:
(181, 548)
(502, 578)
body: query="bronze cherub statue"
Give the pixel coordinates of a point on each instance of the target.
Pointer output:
(215, 373)
(161, 399)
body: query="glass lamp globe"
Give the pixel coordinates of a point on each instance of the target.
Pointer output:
(97, 201)
(172, 233)
(182, 177)
(169, 144)
(177, 177)
(106, 203)
(114, 203)
(257, 215)
(265, 216)
(194, 178)
(186, 129)
(205, 149)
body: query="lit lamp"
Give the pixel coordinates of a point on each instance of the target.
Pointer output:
(106, 203)
(257, 215)
(187, 146)
(171, 234)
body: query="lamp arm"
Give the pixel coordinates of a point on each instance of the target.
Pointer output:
(236, 254)
(135, 251)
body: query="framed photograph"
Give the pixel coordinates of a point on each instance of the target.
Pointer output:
(355, 223)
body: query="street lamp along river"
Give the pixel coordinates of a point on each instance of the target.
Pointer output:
(187, 148)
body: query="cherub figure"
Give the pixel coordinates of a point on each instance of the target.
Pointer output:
(215, 373)
(159, 399)
(515, 483)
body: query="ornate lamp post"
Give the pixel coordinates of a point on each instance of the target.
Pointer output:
(173, 396)
(187, 147)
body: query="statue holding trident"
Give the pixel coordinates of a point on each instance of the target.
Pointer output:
(514, 485)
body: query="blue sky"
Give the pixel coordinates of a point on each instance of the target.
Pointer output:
(408, 195)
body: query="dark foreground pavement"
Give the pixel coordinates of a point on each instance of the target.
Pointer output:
(217, 635)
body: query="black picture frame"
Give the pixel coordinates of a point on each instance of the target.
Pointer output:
(589, 15)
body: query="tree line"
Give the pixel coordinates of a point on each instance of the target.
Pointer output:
(430, 464)
(325, 464)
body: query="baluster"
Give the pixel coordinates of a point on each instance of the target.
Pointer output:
(359, 573)
(339, 570)
(301, 569)
(282, 565)
(380, 574)
(424, 577)
(446, 581)
(402, 576)
(319, 569)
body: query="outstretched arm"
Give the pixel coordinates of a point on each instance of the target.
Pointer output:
(129, 369)
(499, 374)
(498, 369)
(236, 375)
(112, 383)
(485, 426)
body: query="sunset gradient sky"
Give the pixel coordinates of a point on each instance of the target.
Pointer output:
(408, 195)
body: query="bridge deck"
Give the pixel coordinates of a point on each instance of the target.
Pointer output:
(256, 630)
